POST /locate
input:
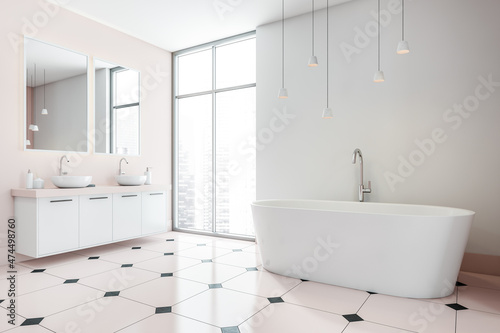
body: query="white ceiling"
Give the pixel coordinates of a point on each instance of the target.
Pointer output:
(174, 24)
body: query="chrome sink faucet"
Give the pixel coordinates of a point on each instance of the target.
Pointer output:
(120, 168)
(61, 173)
(362, 189)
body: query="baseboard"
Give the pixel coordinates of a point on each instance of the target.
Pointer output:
(481, 263)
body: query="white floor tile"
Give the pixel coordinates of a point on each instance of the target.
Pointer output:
(55, 299)
(30, 329)
(165, 291)
(221, 307)
(168, 247)
(52, 261)
(210, 273)
(366, 327)
(170, 322)
(167, 264)
(262, 283)
(119, 279)
(142, 241)
(252, 248)
(409, 314)
(283, 317)
(326, 297)
(18, 268)
(481, 299)
(4, 322)
(469, 321)
(100, 250)
(240, 259)
(130, 256)
(203, 252)
(107, 314)
(81, 268)
(480, 280)
(231, 244)
(28, 283)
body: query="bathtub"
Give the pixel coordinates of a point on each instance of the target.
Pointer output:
(394, 249)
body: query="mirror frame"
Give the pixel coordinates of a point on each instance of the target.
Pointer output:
(139, 140)
(25, 111)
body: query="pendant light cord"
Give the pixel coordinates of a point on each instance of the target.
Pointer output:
(44, 88)
(312, 27)
(327, 19)
(403, 20)
(378, 35)
(283, 43)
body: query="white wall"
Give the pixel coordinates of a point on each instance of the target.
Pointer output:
(453, 52)
(51, 24)
(102, 103)
(65, 125)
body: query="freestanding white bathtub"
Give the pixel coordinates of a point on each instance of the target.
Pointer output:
(393, 249)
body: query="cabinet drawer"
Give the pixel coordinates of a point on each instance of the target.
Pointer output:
(57, 224)
(96, 219)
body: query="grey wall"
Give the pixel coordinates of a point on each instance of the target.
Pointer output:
(429, 133)
(102, 116)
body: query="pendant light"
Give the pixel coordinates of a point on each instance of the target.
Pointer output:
(44, 110)
(283, 93)
(379, 75)
(34, 127)
(313, 61)
(327, 112)
(403, 46)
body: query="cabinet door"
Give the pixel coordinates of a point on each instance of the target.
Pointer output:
(154, 212)
(96, 219)
(58, 224)
(126, 215)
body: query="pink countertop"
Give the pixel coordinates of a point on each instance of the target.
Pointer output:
(104, 189)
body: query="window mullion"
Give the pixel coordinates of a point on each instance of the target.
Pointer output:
(214, 143)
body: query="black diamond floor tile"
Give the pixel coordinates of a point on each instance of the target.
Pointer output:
(167, 274)
(233, 329)
(32, 321)
(460, 284)
(352, 317)
(111, 293)
(136, 248)
(127, 265)
(275, 299)
(371, 293)
(170, 240)
(71, 281)
(38, 270)
(206, 260)
(237, 250)
(215, 285)
(456, 306)
(93, 258)
(249, 269)
(164, 309)
(168, 254)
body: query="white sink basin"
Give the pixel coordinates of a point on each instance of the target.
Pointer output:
(130, 180)
(71, 181)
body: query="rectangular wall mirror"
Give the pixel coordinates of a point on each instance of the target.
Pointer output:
(56, 95)
(117, 109)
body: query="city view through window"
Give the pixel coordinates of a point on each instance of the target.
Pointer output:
(215, 137)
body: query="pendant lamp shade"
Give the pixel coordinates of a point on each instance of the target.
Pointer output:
(33, 128)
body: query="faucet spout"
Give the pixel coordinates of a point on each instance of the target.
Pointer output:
(120, 167)
(361, 189)
(64, 157)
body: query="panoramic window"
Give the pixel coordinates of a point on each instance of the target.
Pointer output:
(214, 136)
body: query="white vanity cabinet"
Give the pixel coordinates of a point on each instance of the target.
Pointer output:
(57, 224)
(154, 212)
(52, 221)
(96, 219)
(126, 215)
